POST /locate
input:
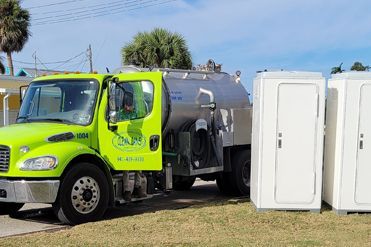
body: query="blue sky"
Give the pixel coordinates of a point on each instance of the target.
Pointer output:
(246, 35)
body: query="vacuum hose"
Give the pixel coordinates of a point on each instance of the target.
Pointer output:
(200, 148)
(200, 145)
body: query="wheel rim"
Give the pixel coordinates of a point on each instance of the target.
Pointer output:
(246, 173)
(85, 195)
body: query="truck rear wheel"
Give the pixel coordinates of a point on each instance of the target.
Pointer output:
(83, 195)
(183, 182)
(241, 170)
(224, 185)
(10, 208)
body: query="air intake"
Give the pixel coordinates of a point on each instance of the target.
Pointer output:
(61, 137)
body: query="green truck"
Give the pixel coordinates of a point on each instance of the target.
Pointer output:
(71, 142)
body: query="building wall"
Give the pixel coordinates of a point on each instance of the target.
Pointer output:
(12, 117)
(13, 100)
(11, 82)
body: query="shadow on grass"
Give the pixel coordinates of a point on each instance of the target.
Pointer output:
(198, 195)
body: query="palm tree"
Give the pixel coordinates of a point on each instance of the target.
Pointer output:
(14, 33)
(158, 48)
(358, 66)
(337, 69)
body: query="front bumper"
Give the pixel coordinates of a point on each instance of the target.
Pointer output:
(23, 191)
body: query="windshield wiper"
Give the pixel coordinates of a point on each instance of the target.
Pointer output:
(23, 118)
(59, 120)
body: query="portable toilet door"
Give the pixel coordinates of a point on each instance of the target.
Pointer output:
(287, 144)
(363, 167)
(347, 168)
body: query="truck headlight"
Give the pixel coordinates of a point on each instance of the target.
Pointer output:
(39, 164)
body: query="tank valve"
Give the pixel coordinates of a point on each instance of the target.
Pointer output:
(238, 76)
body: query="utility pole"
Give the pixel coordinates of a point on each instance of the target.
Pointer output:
(90, 57)
(34, 56)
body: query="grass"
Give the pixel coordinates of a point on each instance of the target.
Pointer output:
(217, 224)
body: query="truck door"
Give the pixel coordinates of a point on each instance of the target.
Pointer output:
(134, 141)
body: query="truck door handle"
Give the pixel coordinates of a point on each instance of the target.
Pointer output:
(154, 142)
(361, 141)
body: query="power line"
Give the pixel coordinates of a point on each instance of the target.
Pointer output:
(104, 13)
(79, 11)
(86, 15)
(42, 63)
(75, 66)
(23, 62)
(74, 9)
(57, 62)
(53, 4)
(82, 67)
(67, 61)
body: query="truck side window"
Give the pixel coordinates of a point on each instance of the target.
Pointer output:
(134, 100)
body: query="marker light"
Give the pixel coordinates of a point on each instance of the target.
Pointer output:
(24, 149)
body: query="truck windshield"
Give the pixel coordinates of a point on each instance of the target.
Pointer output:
(69, 101)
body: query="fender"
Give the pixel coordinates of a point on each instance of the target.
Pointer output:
(65, 152)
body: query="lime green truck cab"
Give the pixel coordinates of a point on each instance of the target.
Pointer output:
(62, 151)
(72, 141)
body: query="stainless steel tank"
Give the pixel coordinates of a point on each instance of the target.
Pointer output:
(186, 93)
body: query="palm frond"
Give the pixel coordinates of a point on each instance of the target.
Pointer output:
(158, 48)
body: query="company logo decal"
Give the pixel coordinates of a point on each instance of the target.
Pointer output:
(129, 141)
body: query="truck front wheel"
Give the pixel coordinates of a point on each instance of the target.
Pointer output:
(10, 208)
(83, 195)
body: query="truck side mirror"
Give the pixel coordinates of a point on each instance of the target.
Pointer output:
(22, 91)
(112, 113)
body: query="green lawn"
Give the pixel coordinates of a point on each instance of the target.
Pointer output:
(219, 224)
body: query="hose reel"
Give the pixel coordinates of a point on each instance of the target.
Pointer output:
(200, 146)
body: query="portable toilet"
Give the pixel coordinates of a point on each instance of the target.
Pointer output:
(287, 140)
(347, 165)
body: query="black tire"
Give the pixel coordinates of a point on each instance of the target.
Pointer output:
(240, 176)
(224, 185)
(10, 208)
(83, 195)
(183, 182)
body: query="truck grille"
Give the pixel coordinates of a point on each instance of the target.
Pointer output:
(4, 158)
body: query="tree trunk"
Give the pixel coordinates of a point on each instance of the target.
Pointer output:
(2, 68)
(10, 63)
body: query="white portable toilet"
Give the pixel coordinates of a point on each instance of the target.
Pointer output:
(347, 166)
(287, 141)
